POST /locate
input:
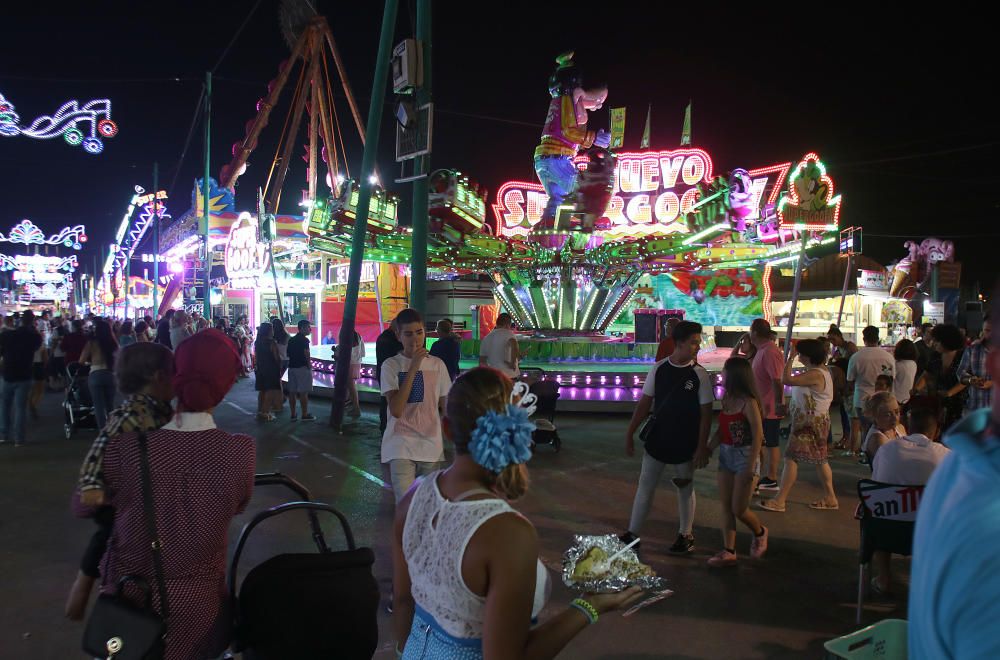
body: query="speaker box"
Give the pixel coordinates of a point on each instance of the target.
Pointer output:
(646, 330)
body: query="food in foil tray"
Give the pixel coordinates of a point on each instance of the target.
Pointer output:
(596, 564)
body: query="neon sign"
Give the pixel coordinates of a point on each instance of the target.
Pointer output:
(27, 233)
(653, 191)
(340, 272)
(64, 122)
(247, 259)
(810, 203)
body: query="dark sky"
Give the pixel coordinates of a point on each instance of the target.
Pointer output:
(897, 105)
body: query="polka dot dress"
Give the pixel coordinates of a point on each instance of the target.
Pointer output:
(201, 479)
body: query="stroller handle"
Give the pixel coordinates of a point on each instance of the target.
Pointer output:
(281, 479)
(312, 507)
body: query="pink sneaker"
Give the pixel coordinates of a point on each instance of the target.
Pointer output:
(759, 545)
(724, 558)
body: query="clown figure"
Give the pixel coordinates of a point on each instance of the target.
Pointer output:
(565, 132)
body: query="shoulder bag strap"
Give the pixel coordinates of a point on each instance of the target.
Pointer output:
(155, 544)
(666, 399)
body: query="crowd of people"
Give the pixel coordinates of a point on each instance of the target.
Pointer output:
(45, 352)
(466, 579)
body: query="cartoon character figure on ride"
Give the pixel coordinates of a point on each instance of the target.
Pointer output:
(740, 201)
(912, 272)
(565, 132)
(812, 190)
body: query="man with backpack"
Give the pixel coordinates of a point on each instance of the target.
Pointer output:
(677, 437)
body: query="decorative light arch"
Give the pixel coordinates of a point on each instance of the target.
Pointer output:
(65, 122)
(27, 233)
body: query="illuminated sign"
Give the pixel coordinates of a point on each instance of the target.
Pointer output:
(810, 203)
(341, 272)
(873, 280)
(653, 190)
(247, 259)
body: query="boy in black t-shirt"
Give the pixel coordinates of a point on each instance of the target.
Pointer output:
(300, 371)
(679, 392)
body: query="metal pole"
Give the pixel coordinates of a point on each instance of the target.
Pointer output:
(343, 370)
(843, 293)
(94, 283)
(795, 295)
(378, 293)
(128, 273)
(205, 190)
(418, 276)
(156, 239)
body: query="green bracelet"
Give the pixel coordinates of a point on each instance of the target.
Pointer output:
(588, 610)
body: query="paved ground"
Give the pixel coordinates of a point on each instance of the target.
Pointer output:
(785, 606)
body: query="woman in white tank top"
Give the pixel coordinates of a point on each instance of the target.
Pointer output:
(458, 545)
(812, 394)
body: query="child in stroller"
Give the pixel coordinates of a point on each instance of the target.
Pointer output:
(547, 392)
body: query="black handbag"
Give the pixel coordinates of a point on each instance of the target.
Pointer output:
(118, 629)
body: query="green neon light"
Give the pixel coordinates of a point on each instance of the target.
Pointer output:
(705, 232)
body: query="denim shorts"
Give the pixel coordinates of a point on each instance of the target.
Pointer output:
(736, 459)
(772, 432)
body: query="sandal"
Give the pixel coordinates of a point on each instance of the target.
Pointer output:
(769, 505)
(823, 506)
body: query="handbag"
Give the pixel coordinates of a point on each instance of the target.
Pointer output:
(118, 629)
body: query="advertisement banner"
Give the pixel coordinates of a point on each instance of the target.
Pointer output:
(872, 280)
(617, 127)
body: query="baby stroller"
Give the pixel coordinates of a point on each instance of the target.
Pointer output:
(306, 605)
(547, 392)
(78, 407)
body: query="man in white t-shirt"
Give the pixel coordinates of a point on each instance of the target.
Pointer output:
(415, 384)
(864, 368)
(499, 350)
(909, 460)
(678, 391)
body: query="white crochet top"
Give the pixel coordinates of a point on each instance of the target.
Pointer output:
(435, 535)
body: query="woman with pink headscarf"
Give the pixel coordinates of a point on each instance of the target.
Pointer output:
(201, 478)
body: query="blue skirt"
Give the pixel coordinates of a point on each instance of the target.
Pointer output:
(429, 641)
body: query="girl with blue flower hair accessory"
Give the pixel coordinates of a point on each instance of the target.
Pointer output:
(503, 438)
(465, 563)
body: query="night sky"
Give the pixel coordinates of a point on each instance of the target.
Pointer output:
(897, 105)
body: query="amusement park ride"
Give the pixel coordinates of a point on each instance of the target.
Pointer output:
(564, 266)
(574, 279)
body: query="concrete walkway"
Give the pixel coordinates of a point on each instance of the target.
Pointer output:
(784, 606)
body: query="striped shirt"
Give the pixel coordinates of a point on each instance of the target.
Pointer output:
(973, 365)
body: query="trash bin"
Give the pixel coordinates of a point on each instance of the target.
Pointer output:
(885, 640)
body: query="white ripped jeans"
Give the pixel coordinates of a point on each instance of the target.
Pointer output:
(649, 478)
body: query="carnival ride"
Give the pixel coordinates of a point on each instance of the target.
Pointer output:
(572, 281)
(627, 215)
